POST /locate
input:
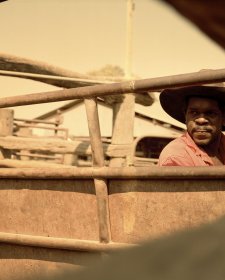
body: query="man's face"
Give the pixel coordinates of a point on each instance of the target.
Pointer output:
(204, 120)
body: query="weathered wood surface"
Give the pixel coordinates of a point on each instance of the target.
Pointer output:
(59, 146)
(123, 130)
(6, 124)
(6, 129)
(51, 145)
(14, 163)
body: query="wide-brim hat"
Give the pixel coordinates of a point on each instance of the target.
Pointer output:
(173, 101)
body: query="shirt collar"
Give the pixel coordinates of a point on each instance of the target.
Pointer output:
(198, 151)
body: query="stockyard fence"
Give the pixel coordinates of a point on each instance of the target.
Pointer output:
(82, 213)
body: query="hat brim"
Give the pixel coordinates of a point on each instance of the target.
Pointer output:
(173, 100)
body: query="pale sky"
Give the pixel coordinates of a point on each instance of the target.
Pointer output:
(84, 35)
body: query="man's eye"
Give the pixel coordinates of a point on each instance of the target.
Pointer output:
(193, 113)
(212, 114)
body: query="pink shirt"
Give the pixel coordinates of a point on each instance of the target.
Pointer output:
(184, 152)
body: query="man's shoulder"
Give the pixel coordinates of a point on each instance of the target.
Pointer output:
(175, 153)
(176, 144)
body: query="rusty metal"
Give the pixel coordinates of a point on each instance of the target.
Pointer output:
(60, 243)
(98, 161)
(134, 86)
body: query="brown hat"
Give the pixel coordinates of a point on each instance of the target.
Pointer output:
(173, 100)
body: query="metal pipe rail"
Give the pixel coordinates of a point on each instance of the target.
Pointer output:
(60, 243)
(133, 86)
(101, 188)
(141, 173)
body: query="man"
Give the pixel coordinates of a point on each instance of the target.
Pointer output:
(202, 109)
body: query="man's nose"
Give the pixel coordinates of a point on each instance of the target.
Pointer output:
(201, 120)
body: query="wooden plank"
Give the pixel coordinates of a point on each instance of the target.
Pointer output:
(6, 128)
(51, 145)
(123, 126)
(14, 163)
(60, 146)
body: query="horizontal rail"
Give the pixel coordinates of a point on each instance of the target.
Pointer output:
(35, 121)
(16, 163)
(38, 155)
(134, 86)
(42, 127)
(142, 173)
(55, 145)
(60, 243)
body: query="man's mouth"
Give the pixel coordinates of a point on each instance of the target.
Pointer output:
(202, 134)
(202, 129)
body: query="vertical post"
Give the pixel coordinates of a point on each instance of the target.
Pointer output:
(123, 126)
(25, 131)
(70, 159)
(6, 129)
(129, 38)
(124, 112)
(98, 161)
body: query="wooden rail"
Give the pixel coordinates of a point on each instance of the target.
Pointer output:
(59, 146)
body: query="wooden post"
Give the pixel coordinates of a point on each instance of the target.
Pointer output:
(123, 113)
(24, 131)
(70, 159)
(123, 126)
(6, 129)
